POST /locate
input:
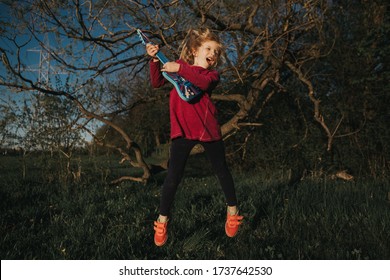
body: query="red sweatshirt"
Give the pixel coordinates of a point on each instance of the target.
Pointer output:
(194, 121)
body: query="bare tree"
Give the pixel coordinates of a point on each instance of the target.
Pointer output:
(95, 40)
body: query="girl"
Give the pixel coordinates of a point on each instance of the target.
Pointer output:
(193, 123)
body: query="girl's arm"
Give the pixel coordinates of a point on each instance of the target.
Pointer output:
(156, 77)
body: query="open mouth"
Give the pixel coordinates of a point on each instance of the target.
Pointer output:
(210, 61)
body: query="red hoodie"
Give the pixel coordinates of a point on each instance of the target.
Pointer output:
(194, 121)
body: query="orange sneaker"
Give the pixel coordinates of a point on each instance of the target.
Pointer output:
(160, 234)
(232, 224)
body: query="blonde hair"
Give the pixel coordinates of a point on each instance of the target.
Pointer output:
(194, 39)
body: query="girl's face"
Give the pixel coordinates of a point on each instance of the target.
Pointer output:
(207, 54)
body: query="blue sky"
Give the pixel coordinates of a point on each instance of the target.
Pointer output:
(30, 55)
(30, 58)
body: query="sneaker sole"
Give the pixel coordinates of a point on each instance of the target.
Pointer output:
(162, 243)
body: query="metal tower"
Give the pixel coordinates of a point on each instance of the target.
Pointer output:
(44, 67)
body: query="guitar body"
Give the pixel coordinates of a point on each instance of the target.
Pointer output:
(186, 90)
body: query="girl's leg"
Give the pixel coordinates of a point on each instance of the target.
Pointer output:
(216, 154)
(180, 150)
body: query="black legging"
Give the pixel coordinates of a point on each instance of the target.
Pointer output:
(180, 150)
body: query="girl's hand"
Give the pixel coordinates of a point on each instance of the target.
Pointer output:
(152, 50)
(171, 67)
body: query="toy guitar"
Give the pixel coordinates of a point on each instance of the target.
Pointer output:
(184, 88)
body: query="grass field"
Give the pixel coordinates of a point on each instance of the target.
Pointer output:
(43, 217)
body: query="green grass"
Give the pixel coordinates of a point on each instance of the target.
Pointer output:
(319, 219)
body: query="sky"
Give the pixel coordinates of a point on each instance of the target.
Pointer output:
(30, 55)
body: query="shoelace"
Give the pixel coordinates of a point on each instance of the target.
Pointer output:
(234, 220)
(159, 228)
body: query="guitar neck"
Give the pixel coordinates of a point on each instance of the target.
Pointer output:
(162, 57)
(145, 40)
